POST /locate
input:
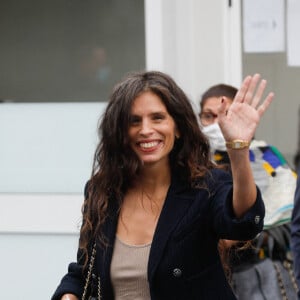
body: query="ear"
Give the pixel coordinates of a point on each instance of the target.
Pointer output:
(177, 134)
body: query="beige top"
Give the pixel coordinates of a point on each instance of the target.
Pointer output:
(128, 271)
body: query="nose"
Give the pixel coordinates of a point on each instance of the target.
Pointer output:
(146, 127)
(215, 120)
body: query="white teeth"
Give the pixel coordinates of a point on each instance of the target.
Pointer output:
(148, 145)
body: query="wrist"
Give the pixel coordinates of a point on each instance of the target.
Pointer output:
(237, 144)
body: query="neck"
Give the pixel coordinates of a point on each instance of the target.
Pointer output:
(152, 178)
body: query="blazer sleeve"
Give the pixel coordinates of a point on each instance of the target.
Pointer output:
(71, 283)
(226, 225)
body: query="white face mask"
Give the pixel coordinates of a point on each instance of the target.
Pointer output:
(215, 137)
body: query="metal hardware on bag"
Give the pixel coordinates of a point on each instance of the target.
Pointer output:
(280, 282)
(288, 267)
(88, 278)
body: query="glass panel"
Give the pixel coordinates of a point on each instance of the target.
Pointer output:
(56, 51)
(63, 50)
(47, 147)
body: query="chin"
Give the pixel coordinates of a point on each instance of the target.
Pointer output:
(148, 162)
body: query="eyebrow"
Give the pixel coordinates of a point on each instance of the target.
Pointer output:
(160, 112)
(208, 110)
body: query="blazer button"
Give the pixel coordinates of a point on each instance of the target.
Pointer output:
(177, 272)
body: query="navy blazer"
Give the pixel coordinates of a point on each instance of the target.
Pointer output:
(184, 262)
(295, 232)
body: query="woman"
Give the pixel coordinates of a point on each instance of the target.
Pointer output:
(155, 204)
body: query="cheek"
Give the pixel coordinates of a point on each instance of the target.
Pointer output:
(129, 139)
(131, 134)
(173, 135)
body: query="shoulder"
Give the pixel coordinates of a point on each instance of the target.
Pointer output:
(215, 180)
(217, 176)
(211, 181)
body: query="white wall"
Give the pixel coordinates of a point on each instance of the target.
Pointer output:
(189, 39)
(45, 157)
(38, 238)
(33, 264)
(196, 42)
(47, 147)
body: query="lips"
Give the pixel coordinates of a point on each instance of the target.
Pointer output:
(148, 146)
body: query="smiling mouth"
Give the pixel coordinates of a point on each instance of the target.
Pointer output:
(149, 145)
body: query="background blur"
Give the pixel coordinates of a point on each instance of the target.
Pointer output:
(59, 60)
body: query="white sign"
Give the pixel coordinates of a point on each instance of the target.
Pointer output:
(263, 25)
(293, 32)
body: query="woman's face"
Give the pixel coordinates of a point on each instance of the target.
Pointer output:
(209, 112)
(152, 130)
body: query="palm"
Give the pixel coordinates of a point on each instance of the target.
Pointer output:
(243, 116)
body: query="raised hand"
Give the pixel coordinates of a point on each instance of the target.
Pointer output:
(240, 121)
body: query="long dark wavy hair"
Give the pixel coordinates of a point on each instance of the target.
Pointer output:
(116, 165)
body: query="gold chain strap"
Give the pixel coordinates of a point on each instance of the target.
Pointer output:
(288, 267)
(280, 282)
(88, 277)
(99, 289)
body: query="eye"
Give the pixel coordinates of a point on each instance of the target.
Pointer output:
(134, 120)
(158, 116)
(207, 116)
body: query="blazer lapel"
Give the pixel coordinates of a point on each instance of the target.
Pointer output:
(176, 204)
(178, 200)
(104, 254)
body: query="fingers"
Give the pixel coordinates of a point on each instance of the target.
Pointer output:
(245, 93)
(251, 89)
(240, 95)
(259, 93)
(251, 93)
(264, 106)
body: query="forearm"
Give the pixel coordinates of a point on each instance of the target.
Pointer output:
(244, 188)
